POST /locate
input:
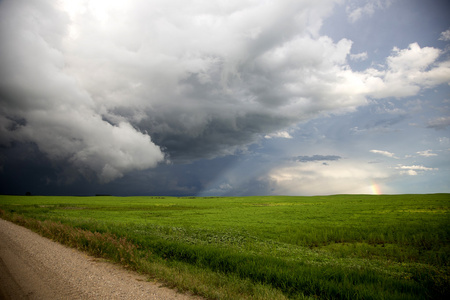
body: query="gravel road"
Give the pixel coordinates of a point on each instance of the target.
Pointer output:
(34, 267)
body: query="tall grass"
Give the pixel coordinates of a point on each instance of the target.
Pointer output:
(339, 247)
(174, 274)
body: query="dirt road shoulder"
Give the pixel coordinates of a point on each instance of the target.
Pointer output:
(34, 267)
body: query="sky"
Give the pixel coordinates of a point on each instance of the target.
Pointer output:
(224, 97)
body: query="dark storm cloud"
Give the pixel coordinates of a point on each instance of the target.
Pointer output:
(316, 158)
(43, 105)
(217, 136)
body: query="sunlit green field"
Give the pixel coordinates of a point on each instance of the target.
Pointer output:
(326, 247)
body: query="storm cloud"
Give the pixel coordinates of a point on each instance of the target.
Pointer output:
(317, 158)
(108, 87)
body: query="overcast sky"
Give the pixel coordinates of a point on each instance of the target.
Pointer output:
(218, 98)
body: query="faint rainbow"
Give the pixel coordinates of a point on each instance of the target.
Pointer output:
(376, 190)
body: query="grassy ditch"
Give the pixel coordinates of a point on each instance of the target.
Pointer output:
(335, 247)
(177, 275)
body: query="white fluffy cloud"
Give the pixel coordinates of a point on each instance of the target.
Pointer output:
(356, 11)
(279, 134)
(407, 71)
(445, 36)
(426, 153)
(359, 56)
(384, 153)
(413, 169)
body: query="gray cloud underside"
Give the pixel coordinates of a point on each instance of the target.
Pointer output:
(439, 123)
(113, 89)
(317, 158)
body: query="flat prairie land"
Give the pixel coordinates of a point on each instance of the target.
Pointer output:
(271, 247)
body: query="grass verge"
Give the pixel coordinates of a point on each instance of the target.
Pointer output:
(178, 275)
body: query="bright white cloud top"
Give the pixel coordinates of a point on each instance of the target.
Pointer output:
(105, 88)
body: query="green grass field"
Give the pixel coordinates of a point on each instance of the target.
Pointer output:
(322, 247)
